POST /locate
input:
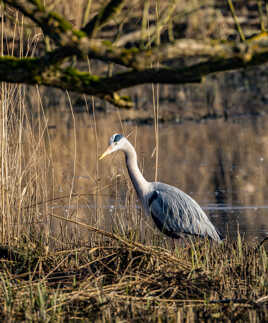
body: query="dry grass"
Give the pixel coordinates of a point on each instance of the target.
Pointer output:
(55, 267)
(124, 280)
(49, 273)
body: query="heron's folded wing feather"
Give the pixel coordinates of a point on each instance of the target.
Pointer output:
(178, 212)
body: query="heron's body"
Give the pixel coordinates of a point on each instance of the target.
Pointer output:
(182, 215)
(174, 212)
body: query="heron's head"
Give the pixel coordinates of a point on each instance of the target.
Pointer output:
(116, 143)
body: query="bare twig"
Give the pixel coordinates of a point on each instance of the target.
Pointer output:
(239, 29)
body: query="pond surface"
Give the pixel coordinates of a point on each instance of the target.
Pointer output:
(221, 164)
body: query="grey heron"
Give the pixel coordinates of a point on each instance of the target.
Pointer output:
(174, 212)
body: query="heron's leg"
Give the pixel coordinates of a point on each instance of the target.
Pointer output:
(179, 242)
(173, 245)
(184, 242)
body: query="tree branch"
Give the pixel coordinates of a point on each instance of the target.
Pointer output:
(59, 29)
(76, 42)
(48, 69)
(35, 71)
(104, 15)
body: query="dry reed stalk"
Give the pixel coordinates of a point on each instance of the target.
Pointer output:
(22, 149)
(140, 283)
(134, 279)
(164, 255)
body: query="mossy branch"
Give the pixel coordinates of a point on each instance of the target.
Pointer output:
(105, 15)
(36, 71)
(49, 69)
(59, 29)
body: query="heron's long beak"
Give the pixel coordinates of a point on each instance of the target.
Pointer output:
(107, 152)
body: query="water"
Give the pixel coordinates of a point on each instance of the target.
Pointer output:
(222, 164)
(233, 219)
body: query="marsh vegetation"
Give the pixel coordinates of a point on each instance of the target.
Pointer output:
(74, 242)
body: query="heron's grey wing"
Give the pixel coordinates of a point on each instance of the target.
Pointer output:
(175, 212)
(162, 215)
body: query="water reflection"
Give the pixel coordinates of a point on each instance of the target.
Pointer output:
(221, 164)
(233, 219)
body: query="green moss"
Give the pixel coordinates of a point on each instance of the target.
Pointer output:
(64, 24)
(37, 72)
(73, 75)
(26, 62)
(132, 50)
(38, 4)
(107, 43)
(79, 33)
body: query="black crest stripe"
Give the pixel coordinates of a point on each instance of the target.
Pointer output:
(117, 138)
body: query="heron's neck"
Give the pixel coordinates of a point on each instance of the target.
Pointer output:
(139, 182)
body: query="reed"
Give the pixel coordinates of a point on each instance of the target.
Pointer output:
(61, 259)
(125, 280)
